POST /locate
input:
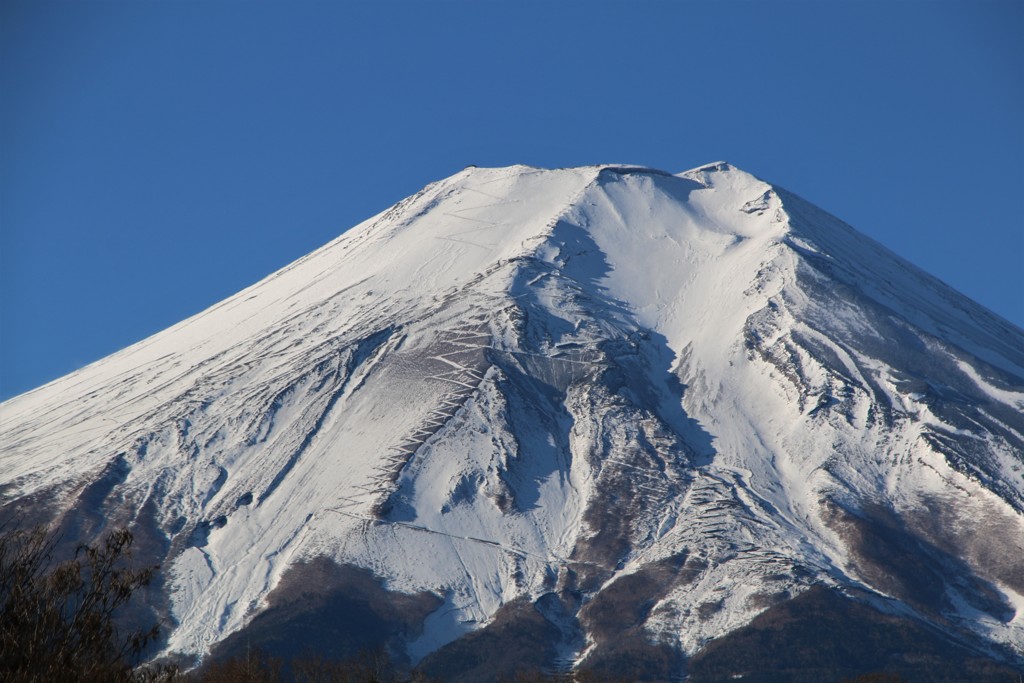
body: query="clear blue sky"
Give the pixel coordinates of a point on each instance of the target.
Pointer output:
(156, 157)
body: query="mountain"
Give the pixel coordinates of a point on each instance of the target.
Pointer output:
(604, 417)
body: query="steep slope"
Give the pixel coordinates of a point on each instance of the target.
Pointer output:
(627, 409)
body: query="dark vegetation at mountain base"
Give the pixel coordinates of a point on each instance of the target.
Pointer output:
(367, 667)
(61, 621)
(822, 635)
(335, 611)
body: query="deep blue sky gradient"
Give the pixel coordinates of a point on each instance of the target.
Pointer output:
(156, 157)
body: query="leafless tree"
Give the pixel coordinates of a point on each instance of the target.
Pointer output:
(58, 619)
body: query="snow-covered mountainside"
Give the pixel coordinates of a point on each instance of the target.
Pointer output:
(647, 407)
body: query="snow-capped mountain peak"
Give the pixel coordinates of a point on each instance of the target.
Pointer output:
(550, 387)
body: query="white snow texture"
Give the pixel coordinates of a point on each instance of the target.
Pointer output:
(449, 394)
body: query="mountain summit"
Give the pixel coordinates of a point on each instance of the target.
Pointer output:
(601, 417)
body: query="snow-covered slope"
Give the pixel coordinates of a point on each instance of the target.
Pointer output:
(522, 383)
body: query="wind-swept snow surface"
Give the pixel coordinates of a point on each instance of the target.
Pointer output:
(560, 388)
